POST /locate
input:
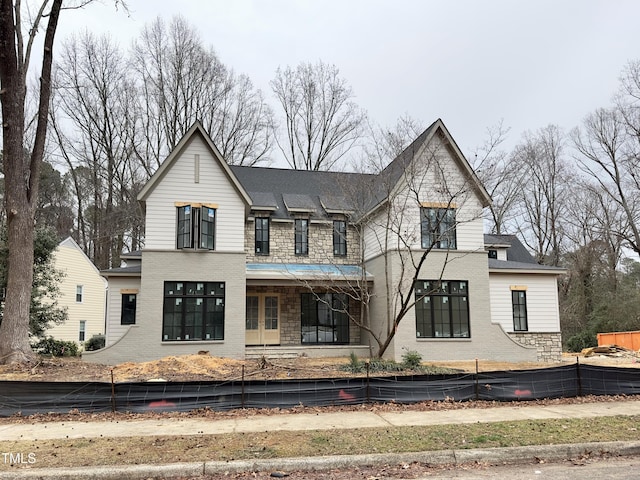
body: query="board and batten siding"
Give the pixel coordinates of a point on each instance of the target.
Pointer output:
(542, 300)
(79, 270)
(209, 186)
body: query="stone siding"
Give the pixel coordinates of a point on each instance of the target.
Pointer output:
(548, 345)
(281, 244)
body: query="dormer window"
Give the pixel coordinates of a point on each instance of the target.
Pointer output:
(493, 254)
(196, 227)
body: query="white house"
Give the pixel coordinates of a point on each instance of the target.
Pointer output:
(83, 293)
(245, 260)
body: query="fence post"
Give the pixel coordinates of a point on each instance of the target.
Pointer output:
(242, 389)
(477, 389)
(578, 375)
(368, 391)
(113, 394)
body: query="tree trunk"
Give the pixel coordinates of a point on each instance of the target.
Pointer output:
(22, 172)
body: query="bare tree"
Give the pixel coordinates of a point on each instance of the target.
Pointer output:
(21, 168)
(544, 200)
(382, 145)
(387, 220)
(607, 157)
(503, 175)
(321, 123)
(182, 81)
(97, 99)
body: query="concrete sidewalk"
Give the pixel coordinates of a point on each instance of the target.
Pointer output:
(319, 421)
(308, 421)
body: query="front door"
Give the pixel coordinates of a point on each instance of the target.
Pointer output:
(263, 322)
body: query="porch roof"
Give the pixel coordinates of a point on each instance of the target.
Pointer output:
(304, 272)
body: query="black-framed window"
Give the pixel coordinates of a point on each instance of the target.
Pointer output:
(438, 227)
(339, 238)
(262, 235)
(442, 309)
(196, 227)
(324, 318)
(82, 333)
(519, 304)
(128, 313)
(493, 254)
(301, 236)
(193, 311)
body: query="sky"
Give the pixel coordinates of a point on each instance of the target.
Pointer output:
(471, 63)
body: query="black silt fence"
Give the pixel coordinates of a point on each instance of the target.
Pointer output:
(29, 398)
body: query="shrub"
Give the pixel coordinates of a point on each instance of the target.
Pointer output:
(56, 348)
(582, 340)
(96, 342)
(412, 359)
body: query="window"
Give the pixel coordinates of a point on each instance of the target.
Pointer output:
(324, 318)
(302, 236)
(193, 311)
(438, 227)
(493, 254)
(196, 227)
(262, 236)
(128, 315)
(83, 330)
(519, 304)
(79, 292)
(340, 238)
(442, 309)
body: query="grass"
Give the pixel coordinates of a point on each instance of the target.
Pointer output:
(196, 448)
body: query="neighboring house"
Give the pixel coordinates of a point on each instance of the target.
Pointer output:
(82, 291)
(245, 261)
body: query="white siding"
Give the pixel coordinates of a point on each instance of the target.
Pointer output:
(78, 270)
(115, 330)
(542, 300)
(179, 185)
(421, 184)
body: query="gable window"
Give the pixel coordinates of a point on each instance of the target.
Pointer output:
(442, 309)
(193, 311)
(438, 227)
(196, 227)
(519, 304)
(128, 315)
(83, 331)
(324, 318)
(301, 236)
(79, 293)
(262, 235)
(339, 238)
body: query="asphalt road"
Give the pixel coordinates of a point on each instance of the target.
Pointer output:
(625, 468)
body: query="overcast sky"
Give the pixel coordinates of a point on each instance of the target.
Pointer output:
(471, 63)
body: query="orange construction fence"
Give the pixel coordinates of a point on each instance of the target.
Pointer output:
(630, 340)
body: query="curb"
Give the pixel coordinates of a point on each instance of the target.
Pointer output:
(508, 455)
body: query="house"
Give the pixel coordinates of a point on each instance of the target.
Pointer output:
(82, 291)
(245, 261)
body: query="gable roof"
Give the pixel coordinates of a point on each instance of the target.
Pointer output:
(286, 191)
(69, 242)
(196, 130)
(394, 171)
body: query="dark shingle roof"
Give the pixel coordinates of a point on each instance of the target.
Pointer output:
(518, 257)
(298, 190)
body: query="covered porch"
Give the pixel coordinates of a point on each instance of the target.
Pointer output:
(293, 311)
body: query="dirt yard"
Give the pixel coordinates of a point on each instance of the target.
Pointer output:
(206, 368)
